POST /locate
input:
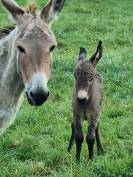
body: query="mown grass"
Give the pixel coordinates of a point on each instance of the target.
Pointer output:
(35, 145)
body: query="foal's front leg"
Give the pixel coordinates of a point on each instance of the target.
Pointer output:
(90, 138)
(79, 137)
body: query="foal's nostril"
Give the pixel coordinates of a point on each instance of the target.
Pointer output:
(82, 100)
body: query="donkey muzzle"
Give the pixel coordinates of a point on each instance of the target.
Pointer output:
(37, 98)
(36, 90)
(82, 101)
(82, 96)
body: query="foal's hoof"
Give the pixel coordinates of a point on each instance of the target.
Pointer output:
(78, 160)
(101, 151)
(90, 158)
(68, 149)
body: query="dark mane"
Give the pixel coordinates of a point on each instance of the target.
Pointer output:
(31, 9)
(5, 31)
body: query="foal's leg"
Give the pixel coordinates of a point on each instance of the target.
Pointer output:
(79, 137)
(71, 139)
(90, 138)
(98, 140)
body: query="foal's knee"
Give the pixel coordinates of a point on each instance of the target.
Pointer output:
(79, 137)
(90, 138)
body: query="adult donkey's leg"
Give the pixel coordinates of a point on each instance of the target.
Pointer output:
(79, 137)
(71, 139)
(98, 140)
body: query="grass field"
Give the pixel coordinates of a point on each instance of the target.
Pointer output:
(35, 145)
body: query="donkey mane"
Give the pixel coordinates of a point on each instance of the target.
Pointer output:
(6, 30)
(31, 9)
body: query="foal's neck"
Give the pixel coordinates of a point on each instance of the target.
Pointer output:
(11, 85)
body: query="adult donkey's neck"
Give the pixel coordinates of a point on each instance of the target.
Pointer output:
(11, 85)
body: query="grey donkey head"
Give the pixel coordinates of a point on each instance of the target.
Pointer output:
(35, 43)
(85, 73)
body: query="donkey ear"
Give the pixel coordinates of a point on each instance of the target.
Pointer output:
(97, 55)
(82, 54)
(13, 8)
(52, 9)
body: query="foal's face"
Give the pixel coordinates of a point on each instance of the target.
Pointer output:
(84, 76)
(35, 43)
(85, 73)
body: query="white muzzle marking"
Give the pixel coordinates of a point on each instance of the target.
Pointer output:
(38, 81)
(82, 94)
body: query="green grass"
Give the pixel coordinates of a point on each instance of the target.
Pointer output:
(35, 145)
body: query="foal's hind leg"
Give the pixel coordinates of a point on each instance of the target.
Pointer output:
(98, 141)
(71, 139)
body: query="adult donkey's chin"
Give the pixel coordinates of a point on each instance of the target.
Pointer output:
(26, 57)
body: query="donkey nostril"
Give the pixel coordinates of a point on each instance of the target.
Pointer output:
(82, 100)
(38, 97)
(31, 94)
(48, 94)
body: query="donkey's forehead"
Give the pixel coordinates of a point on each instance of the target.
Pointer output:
(30, 22)
(84, 66)
(38, 32)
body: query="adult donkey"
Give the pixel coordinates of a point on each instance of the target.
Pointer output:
(26, 57)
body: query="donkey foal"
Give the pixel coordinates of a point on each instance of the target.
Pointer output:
(87, 101)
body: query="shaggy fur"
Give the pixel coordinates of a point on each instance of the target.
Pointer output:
(87, 102)
(25, 59)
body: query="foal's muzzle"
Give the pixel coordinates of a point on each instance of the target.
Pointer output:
(82, 100)
(82, 96)
(37, 98)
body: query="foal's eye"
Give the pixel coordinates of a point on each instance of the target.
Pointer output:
(21, 49)
(52, 48)
(86, 73)
(90, 80)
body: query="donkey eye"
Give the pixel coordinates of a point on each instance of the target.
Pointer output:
(21, 49)
(90, 80)
(52, 48)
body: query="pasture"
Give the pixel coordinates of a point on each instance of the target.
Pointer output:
(36, 144)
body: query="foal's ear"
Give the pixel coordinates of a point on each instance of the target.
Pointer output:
(13, 8)
(52, 9)
(82, 54)
(97, 55)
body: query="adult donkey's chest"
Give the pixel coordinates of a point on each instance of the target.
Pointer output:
(10, 82)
